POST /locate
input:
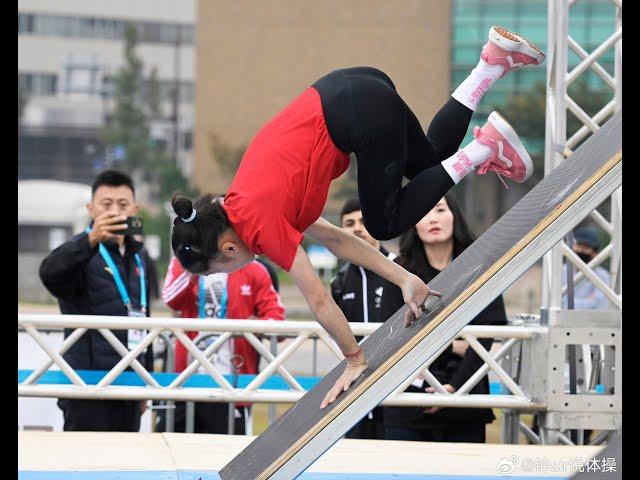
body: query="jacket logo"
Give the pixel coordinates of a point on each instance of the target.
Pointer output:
(349, 296)
(245, 290)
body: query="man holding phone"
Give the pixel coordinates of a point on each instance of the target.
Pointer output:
(102, 271)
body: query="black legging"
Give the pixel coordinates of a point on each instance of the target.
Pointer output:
(366, 115)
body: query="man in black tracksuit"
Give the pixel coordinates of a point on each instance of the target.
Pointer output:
(358, 293)
(80, 274)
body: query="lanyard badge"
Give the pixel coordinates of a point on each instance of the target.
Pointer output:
(134, 337)
(120, 284)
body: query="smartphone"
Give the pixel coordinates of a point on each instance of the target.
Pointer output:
(134, 226)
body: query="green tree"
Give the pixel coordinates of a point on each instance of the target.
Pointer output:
(154, 99)
(138, 102)
(129, 126)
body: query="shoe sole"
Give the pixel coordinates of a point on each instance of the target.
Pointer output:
(513, 42)
(510, 135)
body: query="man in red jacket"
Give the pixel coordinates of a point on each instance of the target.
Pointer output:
(245, 293)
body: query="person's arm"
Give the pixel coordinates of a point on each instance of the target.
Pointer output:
(327, 313)
(355, 250)
(62, 271)
(177, 291)
(337, 286)
(152, 275)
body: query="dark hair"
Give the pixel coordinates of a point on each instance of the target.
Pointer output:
(351, 205)
(112, 178)
(588, 236)
(412, 255)
(195, 243)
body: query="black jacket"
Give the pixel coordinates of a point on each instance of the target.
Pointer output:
(347, 288)
(449, 368)
(78, 277)
(272, 273)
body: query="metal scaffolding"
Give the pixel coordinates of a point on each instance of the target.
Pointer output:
(558, 146)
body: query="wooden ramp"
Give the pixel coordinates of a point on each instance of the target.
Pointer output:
(470, 283)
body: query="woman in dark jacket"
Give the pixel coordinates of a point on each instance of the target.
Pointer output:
(426, 250)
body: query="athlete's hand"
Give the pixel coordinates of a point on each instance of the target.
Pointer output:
(415, 293)
(106, 226)
(355, 367)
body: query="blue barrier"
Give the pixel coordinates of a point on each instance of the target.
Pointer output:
(197, 380)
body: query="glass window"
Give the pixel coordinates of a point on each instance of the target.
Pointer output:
(119, 29)
(190, 92)
(25, 23)
(580, 10)
(466, 55)
(170, 33)
(26, 82)
(188, 34)
(468, 32)
(536, 31)
(93, 27)
(529, 78)
(459, 74)
(152, 33)
(72, 27)
(49, 84)
(462, 9)
(500, 11)
(531, 8)
(600, 31)
(38, 24)
(602, 8)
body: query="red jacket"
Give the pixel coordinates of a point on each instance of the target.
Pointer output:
(250, 294)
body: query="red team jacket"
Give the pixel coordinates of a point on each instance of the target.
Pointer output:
(250, 293)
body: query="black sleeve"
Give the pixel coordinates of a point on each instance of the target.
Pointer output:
(152, 279)
(494, 314)
(152, 272)
(391, 300)
(272, 273)
(62, 271)
(337, 285)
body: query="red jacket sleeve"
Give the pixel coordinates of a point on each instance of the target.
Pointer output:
(177, 291)
(267, 300)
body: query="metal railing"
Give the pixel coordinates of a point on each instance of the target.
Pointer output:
(300, 332)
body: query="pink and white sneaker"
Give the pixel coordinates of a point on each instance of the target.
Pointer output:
(510, 159)
(510, 50)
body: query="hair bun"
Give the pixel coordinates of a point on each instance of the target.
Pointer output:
(182, 206)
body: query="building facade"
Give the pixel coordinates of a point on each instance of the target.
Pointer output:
(68, 54)
(590, 22)
(253, 58)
